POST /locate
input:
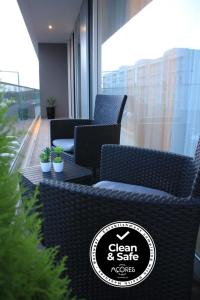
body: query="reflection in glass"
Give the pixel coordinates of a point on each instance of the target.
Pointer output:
(24, 106)
(155, 59)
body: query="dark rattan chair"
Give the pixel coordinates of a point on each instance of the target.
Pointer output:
(82, 139)
(73, 214)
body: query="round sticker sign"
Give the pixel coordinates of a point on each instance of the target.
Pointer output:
(122, 254)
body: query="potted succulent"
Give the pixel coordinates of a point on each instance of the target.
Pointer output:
(58, 163)
(45, 160)
(51, 102)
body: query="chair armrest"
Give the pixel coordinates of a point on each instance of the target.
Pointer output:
(73, 214)
(89, 140)
(161, 170)
(64, 128)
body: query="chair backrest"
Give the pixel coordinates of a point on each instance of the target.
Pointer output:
(73, 214)
(109, 109)
(196, 185)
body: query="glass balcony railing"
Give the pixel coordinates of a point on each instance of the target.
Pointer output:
(24, 107)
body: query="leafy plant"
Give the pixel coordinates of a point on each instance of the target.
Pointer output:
(27, 270)
(57, 159)
(45, 156)
(51, 102)
(58, 150)
(47, 151)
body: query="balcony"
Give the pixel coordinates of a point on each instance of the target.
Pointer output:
(73, 209)
(24, 108)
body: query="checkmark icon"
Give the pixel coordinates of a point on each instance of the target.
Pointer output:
(123, 236)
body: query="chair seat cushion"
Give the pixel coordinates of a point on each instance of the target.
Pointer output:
(66, 144)
(111, 185)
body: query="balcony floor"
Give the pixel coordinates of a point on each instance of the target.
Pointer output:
(38, 141)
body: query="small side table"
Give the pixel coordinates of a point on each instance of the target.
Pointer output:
(72, 172)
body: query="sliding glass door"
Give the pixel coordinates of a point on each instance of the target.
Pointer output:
(150, 51)
(71, 82)
(78, 66)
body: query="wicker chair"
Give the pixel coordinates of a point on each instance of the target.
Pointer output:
(82, 139)
(73, 214)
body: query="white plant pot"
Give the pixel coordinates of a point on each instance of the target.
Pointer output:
(46, 167)
(58, 167)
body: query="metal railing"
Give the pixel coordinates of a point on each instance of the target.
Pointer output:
(24, 107)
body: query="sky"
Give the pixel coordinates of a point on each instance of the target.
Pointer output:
(16, 50)
(160, 26)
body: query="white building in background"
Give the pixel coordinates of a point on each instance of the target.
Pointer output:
(165, 92)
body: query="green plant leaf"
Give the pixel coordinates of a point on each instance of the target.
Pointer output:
(57, 159)
(27, 270)
(51, 101)
(58, 150)
(45, 156)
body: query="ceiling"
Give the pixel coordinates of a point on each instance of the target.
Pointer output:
(38, 14)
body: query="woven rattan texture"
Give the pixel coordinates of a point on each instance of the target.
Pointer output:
(109, 109)
(90, 135)
(196, 187)
(64, 128)
(71, 172)
(89, 140)
(156, 169)
(73, 214)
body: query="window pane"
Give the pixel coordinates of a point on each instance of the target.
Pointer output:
(154, 59)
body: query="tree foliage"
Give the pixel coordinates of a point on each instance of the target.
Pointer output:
(27, 270)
